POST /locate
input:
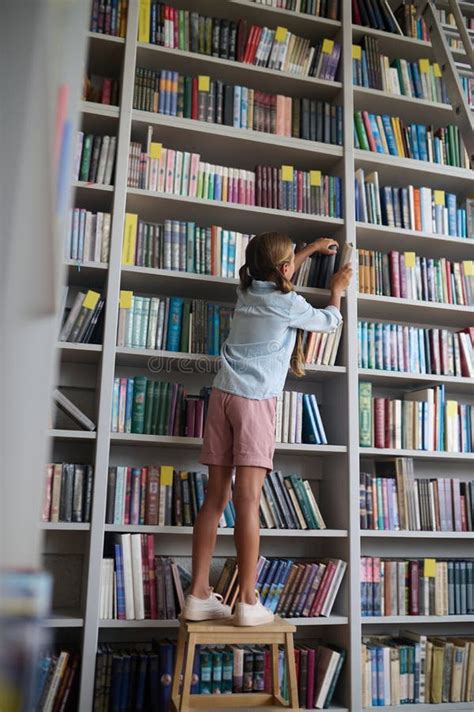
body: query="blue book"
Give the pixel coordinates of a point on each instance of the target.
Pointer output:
(153, 678)
(210, 328)
(224, 252)
(175, 319)
(168, 98)
(140, 683)
(231, 253)
(174, 94)
(269, 578)
(120, 586)
(244, 107)
(319, 422)
(376, 134)
(216, 324)
(414, 141)
(452, 217)
(116, 683)
(262, 575)
(365, 70)
(388, 130)
(162, 94)
(129, 406)
(196, 671)
(380, 677)
(237, 110)
(198, 479)
(166, 664)
(125, 686)
(310, 432)
(422, 142)
(218, 186)
(267, 588)
(191, 236)
(41, 675)
(415, 72)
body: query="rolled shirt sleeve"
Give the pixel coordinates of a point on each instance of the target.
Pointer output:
(304, 316)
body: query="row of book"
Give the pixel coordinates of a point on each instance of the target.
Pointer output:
(320, 8)
(414, 668)
(109, 17)
(424, 420)
(317, 270)
(403, 502)
(88, 238)
(419, 79)
(416, 587)
(414, 349)
(378, 14)
(173, 324)
(321, 349)
(136, 584)
(101, 90)
(56, 680)
(159, 495)
(67, 493)
(183, 246)
(140, 678)
(204, 99)
(407, 275)
(298, 419)
(392, 136)
(95, 158)
(277, 49)
(167, 170)
(411, 208)
(142, 405)
(83, 314)
(289, 588)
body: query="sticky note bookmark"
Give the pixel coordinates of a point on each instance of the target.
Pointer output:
(437, 70)
(155, 149)
(91, 299)
(166, 475)
(424, 66)
(125, 300)
(287, 173)
(451, 409)
(356, 52)
(410, 259)
(468, 268)
(328, 46)
(429, 568)
(439, 197)
(203, 82)
(315, 178)
(280, 34)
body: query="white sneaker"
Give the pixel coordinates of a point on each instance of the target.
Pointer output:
(205, 609)
(252, 614)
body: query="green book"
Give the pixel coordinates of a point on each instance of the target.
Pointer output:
(304, 503)
(184, 344)
(138, 410)
(86, 157)
(187, 99)
(181, 25)
(155, 407)
(365, 414)
(150, 387)
(164, 410)
(360, 130)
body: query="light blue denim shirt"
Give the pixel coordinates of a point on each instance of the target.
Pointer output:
(256, 355)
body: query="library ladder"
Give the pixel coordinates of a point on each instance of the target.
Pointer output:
(463, 115)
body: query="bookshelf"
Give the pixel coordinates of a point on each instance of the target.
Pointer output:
(336, 466)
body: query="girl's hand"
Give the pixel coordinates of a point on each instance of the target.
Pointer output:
(341, 279)
(325, 245)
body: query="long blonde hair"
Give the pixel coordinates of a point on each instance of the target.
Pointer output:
(265, 254)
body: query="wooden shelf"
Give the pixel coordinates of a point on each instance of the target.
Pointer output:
(229, 531)
(261, 78)
(374, 306)
(234, 216)
(380, 453)
(375, 237)
(395, 379)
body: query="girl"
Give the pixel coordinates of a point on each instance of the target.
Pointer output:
(263, 341)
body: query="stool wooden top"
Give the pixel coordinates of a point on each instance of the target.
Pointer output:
(278, 625)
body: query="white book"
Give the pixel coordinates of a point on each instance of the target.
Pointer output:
(153, 323)
(137, 575)
(286, 417)
(161, 322)
(334, 588)
(299, 417)
(88, 246)
(331, 669)
(55, 681)
(119, 503)
(125, 540)
(279, 418)
(72, 316)
(314, 505)
(67, 406)
(104, 148)
(178, 171)
(102, 589)
(110, 592)
(109, 166)
(77, 159)
(99, 222)
(267, 512)
(184, 184)
(104, 256)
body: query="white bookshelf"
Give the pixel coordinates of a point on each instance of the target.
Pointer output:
(335, 466)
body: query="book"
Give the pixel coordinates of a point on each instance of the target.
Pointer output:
(56, 679)
(67, 491)
(329, 10)
(68, 407)
(300, 418)
(109, 17)
(83, 316)
(100, 89)
(88, 236)
(94, 152)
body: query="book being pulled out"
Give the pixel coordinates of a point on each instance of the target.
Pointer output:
(68, 407)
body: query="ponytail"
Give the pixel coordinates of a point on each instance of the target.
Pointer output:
(264, 255)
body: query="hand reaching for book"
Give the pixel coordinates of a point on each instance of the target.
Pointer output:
(325, 246)
(341, 279)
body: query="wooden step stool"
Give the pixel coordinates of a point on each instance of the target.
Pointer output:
(221, 631)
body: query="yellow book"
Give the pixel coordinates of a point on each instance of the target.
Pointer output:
(129, 239)
(437, 665)
(144, 21)
(396, 133)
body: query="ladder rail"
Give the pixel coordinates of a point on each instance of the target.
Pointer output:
(463, 115)
(462, 29)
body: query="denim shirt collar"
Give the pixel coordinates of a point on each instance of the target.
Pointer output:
(263, 286)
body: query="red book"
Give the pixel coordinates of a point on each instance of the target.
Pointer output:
(269, 187)
(388, 422)
(323, 589)
(128, 495)
(403, 275)
(276, 186)
(263, 188)
(241, 40)
(258, 185)
(414, 574)
(368, 131)
(152, 575)
(152, 494)
(417, 208)
(143, 493)
(297, 663)
(145, 576)
(190, 411)
(175, 27)
(194, 98)
(394, 274)
(199, 419)
(356, 18)
(448, 269)
(379, 422)
(254, 46)
(249, 44)
(106, 91)
(311, 674)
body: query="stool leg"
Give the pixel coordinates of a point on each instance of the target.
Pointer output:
(290, 663)
(276, 682)
(188, 671)
(178, 667)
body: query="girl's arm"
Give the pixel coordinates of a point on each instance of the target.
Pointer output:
(325, 245)
(304, 316)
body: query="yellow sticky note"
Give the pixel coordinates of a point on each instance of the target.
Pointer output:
(280, 34)
(91, 299)
(203, 82)
(429, 567)
(287, 173)
(328, 46)
(125, 300)
(437, 70)
(439, 197)
(166, 475)
(410, 259)
(155, 149)
(451, 408)
(144, 21)
(356, 52)
(315, 177)
(424, 66)
(468, 268)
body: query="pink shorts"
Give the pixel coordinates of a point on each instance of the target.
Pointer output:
(239, 431)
